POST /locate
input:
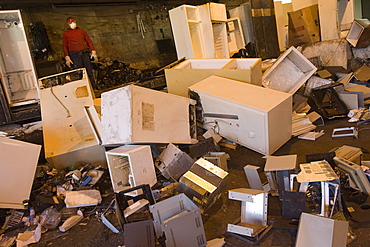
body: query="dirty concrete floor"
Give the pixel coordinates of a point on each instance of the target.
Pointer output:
(283, 233)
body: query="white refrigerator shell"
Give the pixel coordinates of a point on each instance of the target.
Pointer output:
(68, 136)
(255, 117)
(17, 71)
(133, 114)
(191, 32)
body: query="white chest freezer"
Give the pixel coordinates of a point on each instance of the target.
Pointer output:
(255, 117)
(193, 70)
(134, 114)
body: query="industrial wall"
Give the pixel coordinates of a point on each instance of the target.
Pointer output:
(114, 29)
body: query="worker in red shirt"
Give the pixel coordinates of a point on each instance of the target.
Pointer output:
(78, 48)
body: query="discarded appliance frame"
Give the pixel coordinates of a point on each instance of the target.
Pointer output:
(359, 33)
(277, 170)
(253, 220)
(68, 136)
(134, 114)
(19, 95)
(180, 220)
(131, 166)
(262, 125)
(173, 162)
(191, 71)
(123, 197)
(291, 64)
(218, 158)
(203, 183)
(355, 172)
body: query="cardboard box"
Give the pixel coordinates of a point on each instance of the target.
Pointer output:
(191, 71)
(304, 26)
(255, 117)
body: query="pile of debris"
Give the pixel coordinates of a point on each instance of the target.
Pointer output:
(154, 158)
(116, 73)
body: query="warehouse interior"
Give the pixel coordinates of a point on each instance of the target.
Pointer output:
(203, 123)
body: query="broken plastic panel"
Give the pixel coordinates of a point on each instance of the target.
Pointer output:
(321, 232)
(180, 220)
(253, 211)
(202, 148)
(316, 171)
(139, 233)
(315, 82)
(293, 204)
(18, 166)
(212, 133)
(130, 166)
(203, 183)
(312, 135)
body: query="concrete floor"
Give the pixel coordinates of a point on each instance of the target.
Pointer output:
(283, 233)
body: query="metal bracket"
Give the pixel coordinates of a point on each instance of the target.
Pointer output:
(347, 131)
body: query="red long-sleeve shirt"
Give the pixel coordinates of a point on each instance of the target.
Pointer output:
(76, 40)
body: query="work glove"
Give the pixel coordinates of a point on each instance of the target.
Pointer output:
(68, 61)
(94, 57)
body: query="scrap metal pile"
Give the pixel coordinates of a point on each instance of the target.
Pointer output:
(115, 73)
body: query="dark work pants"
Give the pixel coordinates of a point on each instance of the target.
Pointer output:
(81, 59)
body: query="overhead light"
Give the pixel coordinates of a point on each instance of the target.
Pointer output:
(93, 4)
